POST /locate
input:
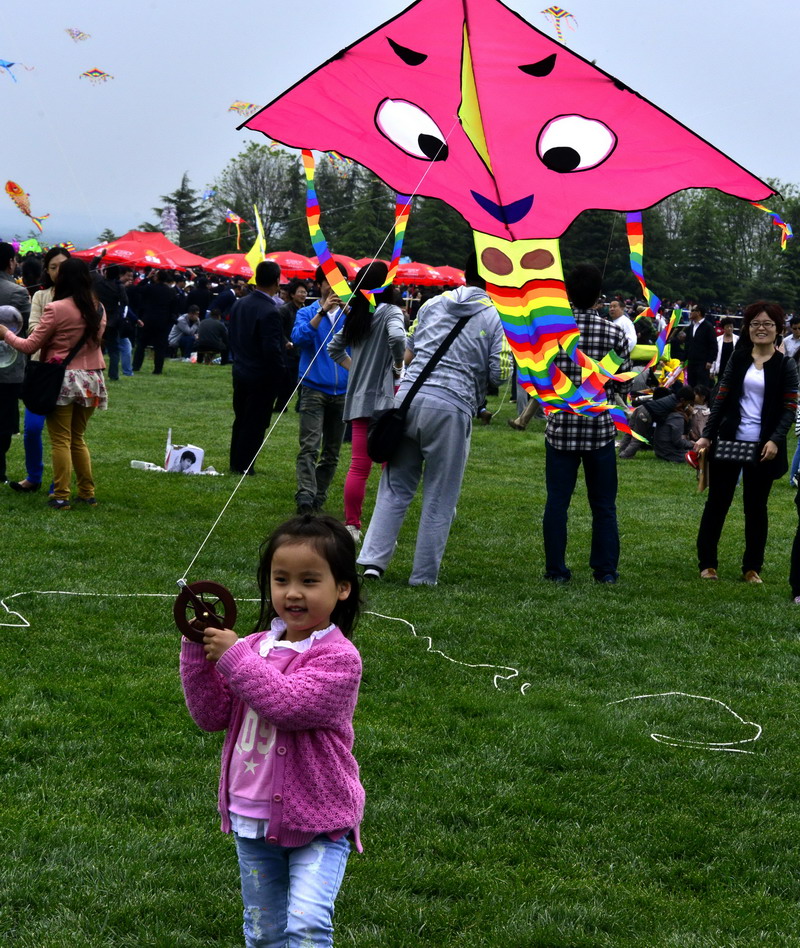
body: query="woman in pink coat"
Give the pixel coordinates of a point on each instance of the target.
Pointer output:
(74, 314)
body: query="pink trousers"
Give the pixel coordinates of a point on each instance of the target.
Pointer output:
(355, 484)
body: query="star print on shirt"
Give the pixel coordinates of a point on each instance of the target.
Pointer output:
(250, 766)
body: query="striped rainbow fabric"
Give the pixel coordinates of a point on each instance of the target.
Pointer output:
(786, 229)
(330, 268)
(538, 322)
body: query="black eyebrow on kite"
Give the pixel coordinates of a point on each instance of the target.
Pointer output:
(543, 68)
(409, 56)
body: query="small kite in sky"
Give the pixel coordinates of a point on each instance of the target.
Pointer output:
(208, 194)
(5, 64)
(339, 163)
(557, 16)
(20, 198)
(96, 75)
(231, 218)
(77, 35)
(245, 109)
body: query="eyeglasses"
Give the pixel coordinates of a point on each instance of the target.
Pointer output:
(762, 325)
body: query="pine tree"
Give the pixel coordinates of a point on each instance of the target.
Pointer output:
(194, 215)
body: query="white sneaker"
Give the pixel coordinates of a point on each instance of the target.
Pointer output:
(354, 532)
(793, 481)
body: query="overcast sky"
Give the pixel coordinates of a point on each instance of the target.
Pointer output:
(97, 156)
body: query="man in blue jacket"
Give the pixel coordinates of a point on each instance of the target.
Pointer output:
(322, 392)
(259, 370)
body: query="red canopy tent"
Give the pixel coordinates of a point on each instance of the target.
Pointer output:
(293, 264)
(451, 276)
(229, 264)
(419, 274)
(154, 242)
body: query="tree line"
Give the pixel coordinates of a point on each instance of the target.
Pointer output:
(699, 245)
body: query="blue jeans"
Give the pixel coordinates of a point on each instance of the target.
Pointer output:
(561, 475)
(32, 440)
(125, 349)
(288, 893)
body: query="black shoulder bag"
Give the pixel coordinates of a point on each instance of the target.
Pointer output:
(42, 383)
(386, 429)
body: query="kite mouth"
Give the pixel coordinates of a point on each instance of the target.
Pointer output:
(505, 213)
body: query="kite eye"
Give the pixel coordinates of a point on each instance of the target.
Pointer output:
(411, 129)
(574, 143)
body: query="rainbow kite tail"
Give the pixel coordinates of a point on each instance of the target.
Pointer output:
(786, 229)
(38, 221)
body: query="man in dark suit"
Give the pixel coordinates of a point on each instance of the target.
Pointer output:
(701, 348)
(259, 369)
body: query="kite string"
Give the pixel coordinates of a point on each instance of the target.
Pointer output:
(512, 673)
(728, 746)
(300, 381)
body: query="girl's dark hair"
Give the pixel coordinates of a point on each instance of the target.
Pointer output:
(772, 310)
(358, 321)
(74, 280)
(51, 254)
(332, 541)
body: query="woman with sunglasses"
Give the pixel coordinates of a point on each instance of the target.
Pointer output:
(754, 405)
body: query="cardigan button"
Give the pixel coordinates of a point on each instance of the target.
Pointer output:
(277, 798)
(280, 751)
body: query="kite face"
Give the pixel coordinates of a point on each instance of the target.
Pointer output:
(504, 124)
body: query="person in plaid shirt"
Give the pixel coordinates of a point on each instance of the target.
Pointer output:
(572, 439)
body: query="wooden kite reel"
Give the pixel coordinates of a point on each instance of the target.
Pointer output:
(201, 605)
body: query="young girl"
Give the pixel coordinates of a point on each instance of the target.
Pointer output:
(289, 787)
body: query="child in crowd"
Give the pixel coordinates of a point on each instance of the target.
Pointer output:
(669, 436)
(289, 786)
(700, 411)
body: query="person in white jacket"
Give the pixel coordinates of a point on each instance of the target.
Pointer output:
(726, 343)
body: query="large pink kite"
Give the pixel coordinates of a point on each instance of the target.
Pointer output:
(519, 135)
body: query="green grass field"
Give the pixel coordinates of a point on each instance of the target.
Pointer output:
(507, 812)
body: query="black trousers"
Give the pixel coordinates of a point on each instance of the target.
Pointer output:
(155, 336)
(757, 482)
(253, 401)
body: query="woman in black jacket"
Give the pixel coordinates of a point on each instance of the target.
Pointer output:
(756, 402)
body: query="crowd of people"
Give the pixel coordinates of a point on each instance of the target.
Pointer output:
(350, 363)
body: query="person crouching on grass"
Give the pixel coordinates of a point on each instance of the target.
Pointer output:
(289, 785)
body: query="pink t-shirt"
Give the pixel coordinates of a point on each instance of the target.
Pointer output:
(250, 768)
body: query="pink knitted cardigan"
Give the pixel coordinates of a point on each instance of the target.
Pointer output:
(315, 784)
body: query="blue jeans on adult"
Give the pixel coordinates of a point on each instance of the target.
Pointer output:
(32, 441)
(288, 892)
(321, 432)
(187, 344)
(111, 342)
(125, 349)
(561, 475)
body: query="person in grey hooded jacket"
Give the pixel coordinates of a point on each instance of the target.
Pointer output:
(435, 443)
